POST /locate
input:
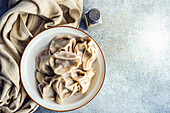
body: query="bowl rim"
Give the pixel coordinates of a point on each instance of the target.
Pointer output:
(96, 92)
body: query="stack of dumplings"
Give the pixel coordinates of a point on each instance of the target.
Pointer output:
(65, 68)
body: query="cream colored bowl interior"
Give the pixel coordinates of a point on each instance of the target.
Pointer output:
(28, 71)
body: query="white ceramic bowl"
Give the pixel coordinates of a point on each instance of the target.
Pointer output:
(27, 70)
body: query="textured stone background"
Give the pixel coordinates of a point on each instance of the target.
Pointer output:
(135, 39)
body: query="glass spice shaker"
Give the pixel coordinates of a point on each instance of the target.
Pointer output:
(92, 18)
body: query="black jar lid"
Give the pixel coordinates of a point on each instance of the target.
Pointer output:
(93, 15)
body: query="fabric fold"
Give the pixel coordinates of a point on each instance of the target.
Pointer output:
(18, 26)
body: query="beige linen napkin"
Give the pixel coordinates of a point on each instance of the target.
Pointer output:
(24, 20)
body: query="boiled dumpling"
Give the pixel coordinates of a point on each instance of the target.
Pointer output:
(62, 43)
(71, 85)
(80, 48)
(46, 89)
(64, 62)
(87, 50)
(83, 78)
(42, 62)
(64, 87)
(89, 56)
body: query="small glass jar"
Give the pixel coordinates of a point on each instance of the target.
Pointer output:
(92, 18)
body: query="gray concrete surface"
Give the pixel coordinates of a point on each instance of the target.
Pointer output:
(135, 39)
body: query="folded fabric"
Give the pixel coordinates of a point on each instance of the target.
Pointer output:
(24, 20)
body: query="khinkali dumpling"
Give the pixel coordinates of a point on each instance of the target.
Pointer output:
(64, 62)
(64, 87)
(62, 43)
(42, 62)
(46, 89)
(83, 78)
(87, 50)
(89, 56)
(80, 48)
